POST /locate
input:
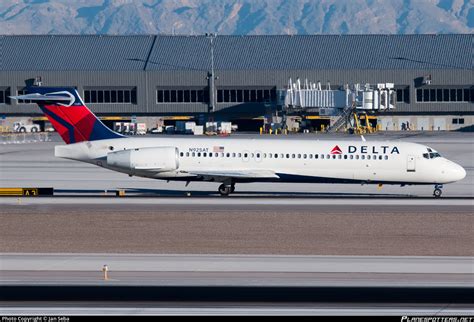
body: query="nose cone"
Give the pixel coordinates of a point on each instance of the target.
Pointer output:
(456, 172)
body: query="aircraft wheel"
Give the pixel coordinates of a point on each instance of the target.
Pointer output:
(437, 193)
(225, 190)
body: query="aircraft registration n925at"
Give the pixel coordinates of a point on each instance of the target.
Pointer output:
(235, 160)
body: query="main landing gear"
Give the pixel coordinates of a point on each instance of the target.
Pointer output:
(437, 191)
(226, 189)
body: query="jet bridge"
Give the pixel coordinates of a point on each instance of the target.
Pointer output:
(341, 104)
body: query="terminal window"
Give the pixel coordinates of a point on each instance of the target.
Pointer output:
(458, 121)
(23, 91)
(4, 95)
(403, 94)
(182, 95)
(111, 96)
(461, 95)
(246, 95)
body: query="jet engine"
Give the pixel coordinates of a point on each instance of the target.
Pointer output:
(159, 159)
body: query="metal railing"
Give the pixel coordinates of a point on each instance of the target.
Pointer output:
(342, 120)
(22, 138)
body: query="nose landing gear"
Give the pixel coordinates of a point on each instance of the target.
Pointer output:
(437, 191)
(226, 189)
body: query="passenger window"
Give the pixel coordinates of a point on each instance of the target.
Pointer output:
(276, 156)
(187, 154)
(258, 155)
(351, 157)
(328, 156)
(386, 157)
(293, 156)
(264, 155)
(380, 157)
(357, 157)
(368, 157)
(316, 156)
(322, 156)
(246, 155)
(310, 156)
(287, 156)
(345, 156)
(334, 156)
(299, 156)
(269, 155)
(199, 154)
(304, 156)
(339, 156)
(222, 154)
(181, 154)
(281, 155)
(228, 155)
(216, 154)
(210, 155)
(194, 154)
(362, 157)
(239, 155)
(233, 155)
(253, 155)
(204, 154)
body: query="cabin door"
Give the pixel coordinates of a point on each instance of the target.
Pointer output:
(411, 166)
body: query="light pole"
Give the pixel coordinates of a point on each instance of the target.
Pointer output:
(211, 76)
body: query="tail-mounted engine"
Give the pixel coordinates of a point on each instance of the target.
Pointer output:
(160, 159)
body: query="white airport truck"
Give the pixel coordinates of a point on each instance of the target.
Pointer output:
(23, 128)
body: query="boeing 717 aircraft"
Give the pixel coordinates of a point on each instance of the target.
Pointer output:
(235, 160)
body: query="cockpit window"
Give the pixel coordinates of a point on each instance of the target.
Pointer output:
(431, 155)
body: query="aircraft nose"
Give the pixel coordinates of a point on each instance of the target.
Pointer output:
(456, 172)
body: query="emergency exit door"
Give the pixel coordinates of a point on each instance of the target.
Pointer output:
(411, 166)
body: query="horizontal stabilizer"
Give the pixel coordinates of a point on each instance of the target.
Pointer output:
(64, 97)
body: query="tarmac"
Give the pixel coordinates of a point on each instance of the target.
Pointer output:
(236, 270)
(148, 284)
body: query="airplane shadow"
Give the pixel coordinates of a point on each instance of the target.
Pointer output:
(142, 192)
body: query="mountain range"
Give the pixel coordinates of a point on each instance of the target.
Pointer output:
(236, 17)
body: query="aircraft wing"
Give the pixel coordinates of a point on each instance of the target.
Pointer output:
(238, 174)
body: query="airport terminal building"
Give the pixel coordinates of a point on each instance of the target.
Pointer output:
(151, 76)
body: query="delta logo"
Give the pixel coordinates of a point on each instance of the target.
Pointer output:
(384, 149)
(336, 150)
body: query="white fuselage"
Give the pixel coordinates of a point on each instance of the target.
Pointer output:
(290, 160)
